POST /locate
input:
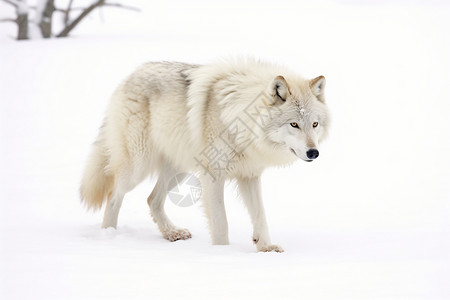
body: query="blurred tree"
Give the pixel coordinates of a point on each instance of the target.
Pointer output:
(43, 17)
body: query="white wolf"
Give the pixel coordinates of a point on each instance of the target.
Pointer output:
(228, 120)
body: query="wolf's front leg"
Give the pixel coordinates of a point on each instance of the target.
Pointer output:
(212, 196)
(250, 190)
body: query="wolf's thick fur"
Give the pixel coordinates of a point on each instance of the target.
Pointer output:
(170, 118)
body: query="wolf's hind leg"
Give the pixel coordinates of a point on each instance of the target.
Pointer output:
(124, 184)
(156, 202)
(125, 181)
(112, 209)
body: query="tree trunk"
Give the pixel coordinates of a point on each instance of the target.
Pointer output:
(46, 20)
(22, 23)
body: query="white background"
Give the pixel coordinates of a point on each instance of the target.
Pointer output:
(368, 220)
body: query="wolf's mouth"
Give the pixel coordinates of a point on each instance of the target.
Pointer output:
(295, 153)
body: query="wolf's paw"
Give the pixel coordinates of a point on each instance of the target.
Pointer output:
(270, 248)
(177, 234)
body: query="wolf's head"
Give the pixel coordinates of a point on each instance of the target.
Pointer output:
(300, 119)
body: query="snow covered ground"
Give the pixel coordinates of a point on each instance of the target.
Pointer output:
(368, 220)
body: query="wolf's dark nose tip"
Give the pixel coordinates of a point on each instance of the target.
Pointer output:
(312, 153)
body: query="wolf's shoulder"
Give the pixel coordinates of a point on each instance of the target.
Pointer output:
(240, 66)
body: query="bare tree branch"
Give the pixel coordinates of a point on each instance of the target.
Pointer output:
(86, 11)
(122, 6)
(8, 20)
(65, 32)
(71, 9)
(67, 13)
(62, 10)
(13, 3)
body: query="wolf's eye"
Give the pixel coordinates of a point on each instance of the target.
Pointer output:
(295, 125)
(315, 124)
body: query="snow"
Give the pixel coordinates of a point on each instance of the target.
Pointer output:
(368, 220)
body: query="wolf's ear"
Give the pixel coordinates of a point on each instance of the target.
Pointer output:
(280, 88)
(317, 86)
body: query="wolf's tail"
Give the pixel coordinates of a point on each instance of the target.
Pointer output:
(97, 183)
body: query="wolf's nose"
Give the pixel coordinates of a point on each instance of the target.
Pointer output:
(312, 153)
